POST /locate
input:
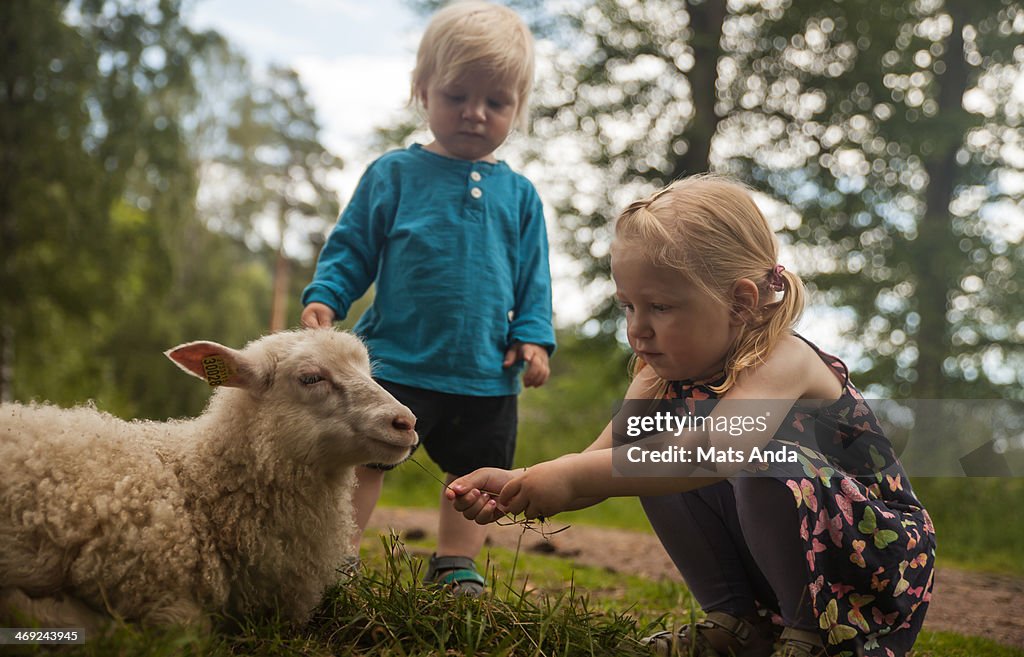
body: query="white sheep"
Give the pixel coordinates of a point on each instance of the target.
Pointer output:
(244, 510)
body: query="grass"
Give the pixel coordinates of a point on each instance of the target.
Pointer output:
(516, 619)
(537, 605)
(947, 644)
(979, 522)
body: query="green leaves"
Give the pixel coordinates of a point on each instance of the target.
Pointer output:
(882, 133)
(106, 258)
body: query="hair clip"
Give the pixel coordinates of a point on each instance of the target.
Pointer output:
(776, 283)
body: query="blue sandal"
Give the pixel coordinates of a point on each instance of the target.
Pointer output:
(459, 573)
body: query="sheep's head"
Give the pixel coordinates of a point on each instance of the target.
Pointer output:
(314, 386)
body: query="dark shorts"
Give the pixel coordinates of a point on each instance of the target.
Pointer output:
(460, 432)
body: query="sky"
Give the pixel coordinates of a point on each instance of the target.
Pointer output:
(353, 56)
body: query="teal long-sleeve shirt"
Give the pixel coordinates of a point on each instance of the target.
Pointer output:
(459, 254)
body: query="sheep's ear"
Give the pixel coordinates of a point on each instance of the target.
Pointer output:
(214, 363)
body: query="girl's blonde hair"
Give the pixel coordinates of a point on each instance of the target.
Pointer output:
(708, 228)
(475, 34)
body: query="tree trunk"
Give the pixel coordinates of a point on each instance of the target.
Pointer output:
(706, 19)
(6, 363)
(279, 304)
(936, 255)
(9, 43)
(8, 300)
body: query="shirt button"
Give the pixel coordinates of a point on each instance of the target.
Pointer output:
(475, 176)
(476, 192)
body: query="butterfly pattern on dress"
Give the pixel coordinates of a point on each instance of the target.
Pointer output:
(868, 541)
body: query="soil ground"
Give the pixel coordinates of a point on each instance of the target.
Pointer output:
(963, 602)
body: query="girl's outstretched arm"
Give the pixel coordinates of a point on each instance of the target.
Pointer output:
(475, 495)
(570, 482)
(575, 481)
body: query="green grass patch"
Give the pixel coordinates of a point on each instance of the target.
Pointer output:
(514, 571)
(389, 609)
(536, 605)
(979, 521)
(947, 644)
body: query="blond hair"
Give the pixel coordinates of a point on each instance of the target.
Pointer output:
(708, 228)
(475, 34)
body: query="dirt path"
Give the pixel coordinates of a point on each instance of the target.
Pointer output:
(964, 602)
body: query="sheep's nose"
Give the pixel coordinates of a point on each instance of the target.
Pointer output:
(404, 422)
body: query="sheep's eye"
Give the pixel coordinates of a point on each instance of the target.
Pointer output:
(310, 379)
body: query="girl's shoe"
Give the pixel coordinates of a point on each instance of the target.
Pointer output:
(799, 643)
(718, 635)
(458, 573)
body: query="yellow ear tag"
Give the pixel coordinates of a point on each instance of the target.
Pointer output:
(216, 370)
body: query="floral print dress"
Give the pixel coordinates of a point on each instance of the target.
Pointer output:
(870, 545)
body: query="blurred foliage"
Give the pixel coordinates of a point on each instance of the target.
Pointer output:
(890, 127)
(979, 521)
(152, 180)
(885, 135)
(107, 257)
(270, 174)
(852, 116)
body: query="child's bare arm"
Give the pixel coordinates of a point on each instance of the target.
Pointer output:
(475, 495)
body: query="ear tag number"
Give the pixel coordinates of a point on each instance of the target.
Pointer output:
(216, 370)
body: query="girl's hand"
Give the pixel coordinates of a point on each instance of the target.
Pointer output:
(469, 497)
(317, 315)
(541, 491)
(536, 357)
